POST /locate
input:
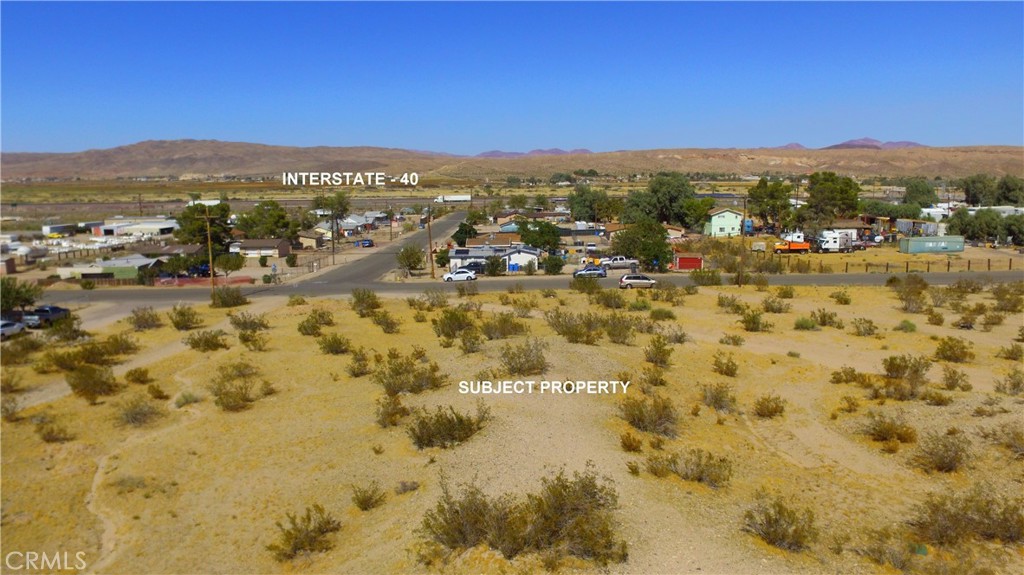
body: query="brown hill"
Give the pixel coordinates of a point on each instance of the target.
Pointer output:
(210, 157)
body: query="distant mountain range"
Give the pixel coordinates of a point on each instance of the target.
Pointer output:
(190, 159)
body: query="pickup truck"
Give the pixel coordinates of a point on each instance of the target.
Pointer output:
(44, 315)
(617, 263)
(791, 247)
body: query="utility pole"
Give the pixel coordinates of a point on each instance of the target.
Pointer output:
(430, 244)
(140, 204)
(209, 252)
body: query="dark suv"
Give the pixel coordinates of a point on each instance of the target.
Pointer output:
(477, 267)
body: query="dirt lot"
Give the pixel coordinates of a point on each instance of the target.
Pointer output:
(200, 489)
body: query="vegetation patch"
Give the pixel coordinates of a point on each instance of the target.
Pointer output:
(654, 414)
(446, 428)
(778, 524)
(305, 534)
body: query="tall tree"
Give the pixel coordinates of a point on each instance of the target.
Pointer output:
(664, 200)
(979, 189)
(542, 235)
(228, 263)
(647, 241)
(462, 234)
(1010, 190)
(411, 258)
(268, 220)
(339, 205)
(695, 212)
(16, 294)
(830, 196)
(920, 191)
(518, 201)
(770, 201)
(584, 202)
(192, 227)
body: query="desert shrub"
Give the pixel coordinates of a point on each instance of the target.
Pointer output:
(334, 344)
(364, 301)
(502, 325)
(51, 431)
(406, 487)
(139, 375)
(769, 406)
(120, 344)
(792, 353)
(207, 340)
(366, 498)
(731, 303)
(67, 329)
(805, 324)
(92, 352)
(719, 396)
(1010, 435)
(886, 547)
(451, 322)
(1008, 299)
(1015, 352)
(706, 277)
(390, 411)
(620, 328)
(253, 340)
(935, 318)
(734, 340)
(753, 321)
(991, 320)
(522, 307)
(227, 297)
(446, 428)
(470, 340)
(651, 376)
(658, 352)
(841, 297)
(9, 408)
(143, 318)
(436, 299)
(398, 374)
(246, 321)
(944, 452)
(586, 328)
(826, 318)
(18, 351)
(725, 365)
(850, 404)
(91, 382)
(640, 304)
(779, 524)
(58, 360)
(953, 379)
(907, 367)
(966, 286)
(548, 293)
(775, 305)
(157, 392)
(1012, 384)
(553, 266)
(137, 411)
(906, 326)
(186, 398)
(360, 364)
(524, 359)
(662, 465)
(654, 414)
(11, 381)
(306, 534)
(386, 321)
(673, 334)
(760, 282)
(881, 427)
(662, 314)
(184, 317)
(232, 395)
(936, 398)
(630, 442)
(467, 289)
(704, 467)
(946, 518)
(587, 285)
(848, 374)
(954, 349)
(295, 299)
(911, 293)
(309, 326)
(863, 327)
(608, 298)
(785, 292)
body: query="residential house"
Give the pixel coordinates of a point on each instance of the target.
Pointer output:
(257, 248)
(724, 223)
(187, 250)
(494, 239)
(515, 257)
(310, 240)
(126, 267)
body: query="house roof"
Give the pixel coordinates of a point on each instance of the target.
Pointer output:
(174, 250)
(484, 252)
(311, 234)
(717, 211)
(494, 239)
(258, 244)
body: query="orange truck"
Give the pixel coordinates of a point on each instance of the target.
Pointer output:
(789, 247)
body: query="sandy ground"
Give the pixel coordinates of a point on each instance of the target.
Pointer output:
(199, 491)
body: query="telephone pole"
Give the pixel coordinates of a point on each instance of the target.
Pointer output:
(209, 253)
(430, 244)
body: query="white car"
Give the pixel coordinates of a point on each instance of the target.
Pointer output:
(10, 328)
(460, 275)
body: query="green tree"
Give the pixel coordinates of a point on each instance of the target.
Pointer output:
(979, 189)
(16, 294)
(476, 217)
(192, 227)
(513, 181)
(494, 266)
(553, 265)
(647, 241)
(539, 234)
(339, 205)
(268, 220)
(1014, 228)
(541, 201)
(1010, 190)
(695, 212)
(664, 200)
(560, 177)
(921, 192)
(585, 202)
(770, 202)
(462, 234)
(410, 258)
(887, 210)
(961, 223)
(228, 263)
(988, 224)
(830, 196)
(442, 258)
(518, 201)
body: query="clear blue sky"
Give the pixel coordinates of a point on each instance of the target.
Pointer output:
(469, 77)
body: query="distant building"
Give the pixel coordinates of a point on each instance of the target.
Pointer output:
(257, 248)
(724, 223)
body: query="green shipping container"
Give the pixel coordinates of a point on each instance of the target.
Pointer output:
(932, 245)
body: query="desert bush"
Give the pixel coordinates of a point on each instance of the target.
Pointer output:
(630, 442)
(911, 293)
(10, 406)
(935, 318)
(753, 321)
(785, 292)
(886, 547)
(306, 534)
(953, 379)
(156, 392)
(826, 318)
(404, 374)
(704, 467)
(67, 329)
(779, 524)
(587, 285)
(143, 318)
(881, 427)
(366, 498)
(253, 340)
(906, 326)
(91, 382)
(386, 321)
(58, 360)
(662, 314)
(907, 367)
(734, 340)
(139, 375)
(295, 299)
(658, 352)
(207, 340)
(769, 406)
(471, 340)
(991, 320)
(654, 414)
(944, 452)
(451, 322)
(502, 325)
(120, 344)
(18, 351)
(946, 518)
(608, 298)
(586, 328)
(792, 353)
(1008, 299)
(364, 301)
(246, 321)
(706, 277)
(673, 334)
(227, 297)
(662, 465)
(51, 431)
(446, 428)
(850, 404)
(775, 305)
(848, 374)
(1012, 384)
(467, 289)
(186, 398)
(548, 293)
(553, 266)
(436, 299)
(524, 359)
(334, 344)
(725, 365)
(406, 487)
(390, 411)
(719, 396)
(806, 324)
(91, 352)
(863, 327)
(137, 411)
(620, 328)
(760, 282)
(11, 381)
(730, 303)
(184, 317)
(841, 297)
(1015, 352)
(232, 395)
(936, 398)
(1009, 435)
(954, 349)
(360, 364)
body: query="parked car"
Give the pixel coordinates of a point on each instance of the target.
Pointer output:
(630, 281)
(45, 315)
(590, 272)
(864, 244)
(459, 275)
(9, 329)
(367, 243)
(477, 267)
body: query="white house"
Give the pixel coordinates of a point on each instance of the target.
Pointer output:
(724, 223)
(513, 256)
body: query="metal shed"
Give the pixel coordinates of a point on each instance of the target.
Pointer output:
(932, 245)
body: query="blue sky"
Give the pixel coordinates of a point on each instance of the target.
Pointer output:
(470, 77)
